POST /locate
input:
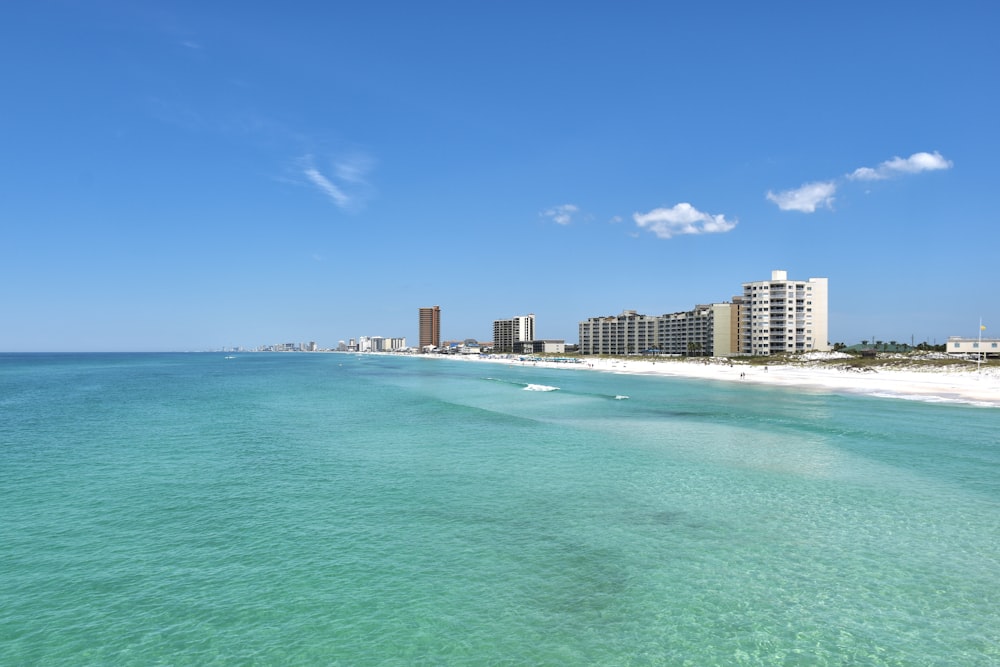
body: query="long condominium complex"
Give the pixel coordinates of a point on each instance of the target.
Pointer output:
(770, 317)
(709, 330)
(430, 327)
(515, 330)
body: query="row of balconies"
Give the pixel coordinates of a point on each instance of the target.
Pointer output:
(639, 334)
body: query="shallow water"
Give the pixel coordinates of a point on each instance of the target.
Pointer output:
(337, 509)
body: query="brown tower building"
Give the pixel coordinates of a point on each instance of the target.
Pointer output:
(430, 327)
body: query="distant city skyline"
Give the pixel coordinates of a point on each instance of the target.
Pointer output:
(185, 176)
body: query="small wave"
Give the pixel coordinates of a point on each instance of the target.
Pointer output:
(502, 381)
(930, 398)
(539, 387)
(621, 397)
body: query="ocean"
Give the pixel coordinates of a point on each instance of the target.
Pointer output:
(334, 509)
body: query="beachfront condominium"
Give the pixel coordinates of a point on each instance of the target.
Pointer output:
(380, 344)
(628, 333)
(518, 329)
(706, 330)
(781, 315)
(430, 327)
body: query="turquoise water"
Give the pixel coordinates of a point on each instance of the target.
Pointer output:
(299, 509)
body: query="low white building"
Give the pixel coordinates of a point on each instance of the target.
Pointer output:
(540, 347)
(972, 347)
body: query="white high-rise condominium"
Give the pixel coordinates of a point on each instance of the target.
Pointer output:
(781, 315)
(515, 330)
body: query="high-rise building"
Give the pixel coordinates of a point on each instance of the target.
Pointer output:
(515, 330)
(430, 327)
(781, 315)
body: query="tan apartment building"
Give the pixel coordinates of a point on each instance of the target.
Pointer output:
(430, 327)
(707, 330)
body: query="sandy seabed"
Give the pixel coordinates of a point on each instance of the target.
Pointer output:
(972, 385)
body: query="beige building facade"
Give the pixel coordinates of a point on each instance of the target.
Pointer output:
(973, 347)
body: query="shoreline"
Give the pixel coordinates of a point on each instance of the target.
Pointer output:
(931, 385)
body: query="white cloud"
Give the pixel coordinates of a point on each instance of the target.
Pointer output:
(348, 187)
(864, 174)
(805, 198)
(561, 215)
(914, 164)
(328, 188)
(817, 194)
(682, 219)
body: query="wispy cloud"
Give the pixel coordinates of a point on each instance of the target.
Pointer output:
(806, 198)
(914, 164)
(327, 187)
(819, 194)
(561, 215)
(354, 169)
(347, 186)
(682, 219)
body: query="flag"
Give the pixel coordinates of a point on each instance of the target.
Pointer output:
(982, 327)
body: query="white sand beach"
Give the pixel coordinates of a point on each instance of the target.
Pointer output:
(955, 384)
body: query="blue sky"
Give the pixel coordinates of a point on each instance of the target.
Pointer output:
(191, 175)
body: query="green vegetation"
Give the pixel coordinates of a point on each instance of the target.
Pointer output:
(892, 361)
